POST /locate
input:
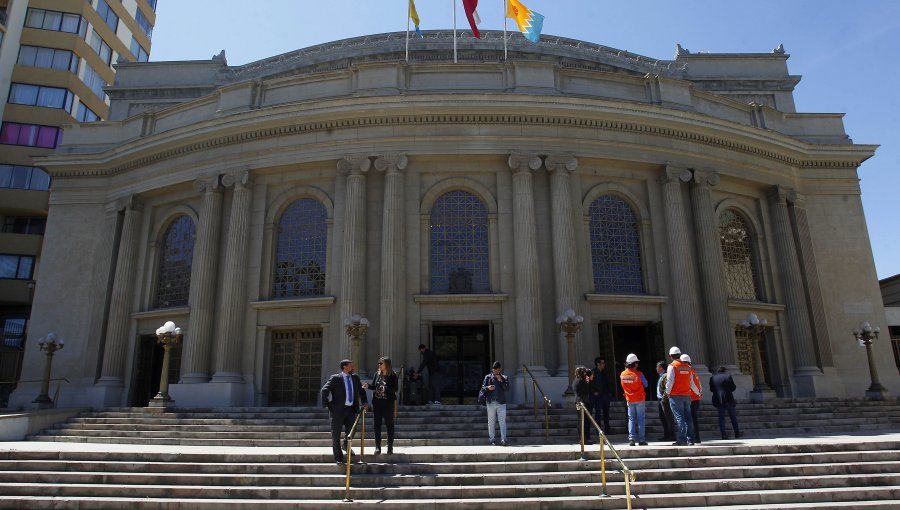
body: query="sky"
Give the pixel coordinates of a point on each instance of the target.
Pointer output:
(848, 53)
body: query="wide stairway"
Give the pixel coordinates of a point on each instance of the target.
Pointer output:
(798, 454)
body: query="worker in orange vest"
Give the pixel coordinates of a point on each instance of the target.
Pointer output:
(679, 384)
(633, 384)
(695, 401)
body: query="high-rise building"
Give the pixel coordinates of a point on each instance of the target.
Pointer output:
(56, 56)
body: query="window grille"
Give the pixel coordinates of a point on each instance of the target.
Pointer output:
(301, 250)
(459, 245)
(176, 254)
(737, 256)
(615, 247)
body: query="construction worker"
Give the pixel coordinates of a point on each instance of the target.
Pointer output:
(695, 401)
(679, 383)
(633, 384)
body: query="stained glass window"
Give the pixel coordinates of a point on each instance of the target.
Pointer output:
(300, 250)
(176, 253)
(737, 256)
(615, 247)
(459, 245)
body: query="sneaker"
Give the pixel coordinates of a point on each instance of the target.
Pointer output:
(502, 443)
(390, 450)
(676, 443)
(642, 443)
(630, 443)
(377, 450)
(690, 443)
(493, 443)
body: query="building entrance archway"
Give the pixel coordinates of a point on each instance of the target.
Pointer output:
(464, 352)
(618, 340)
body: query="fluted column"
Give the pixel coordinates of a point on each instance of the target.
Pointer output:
(796, 314)
(814, 298)
(234, 305)
(560, 167)
(117, 340)
(392, 248)
(720, 345)
(353, 283)
(528, 289)
(196, 353)
(683, 285)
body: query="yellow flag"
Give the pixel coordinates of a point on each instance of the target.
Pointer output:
(414, 16)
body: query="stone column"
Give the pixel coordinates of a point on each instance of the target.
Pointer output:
(720, 345)
(117, 339)
(688, 319)
(230, 329)
(101, 289)
(799, 335)
(353, 257)
(565, 262)
(526, 267)
(392, 249)
(196, 353)
(810, 272)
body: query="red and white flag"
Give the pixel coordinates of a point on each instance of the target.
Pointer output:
(472, 15)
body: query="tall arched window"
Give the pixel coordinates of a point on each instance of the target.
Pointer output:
(615, 247)
(737, 256)
(173, 281)
(300, 252)
(459, 245)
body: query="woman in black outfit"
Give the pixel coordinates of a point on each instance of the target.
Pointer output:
(384, 393)
(582, 388)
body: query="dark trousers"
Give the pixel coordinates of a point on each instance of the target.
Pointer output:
(384, 411)
(433, 393)
(695, 416)
(341, 417)
(600, 405)
(668, 421)
(729, 408)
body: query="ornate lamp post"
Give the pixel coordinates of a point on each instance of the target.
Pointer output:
(50, 344)
(756, 330)
(168, 335)
(865, 334)
(569, 323)
(356, 327)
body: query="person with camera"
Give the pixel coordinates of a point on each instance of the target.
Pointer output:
(384, 388)
(494, 388)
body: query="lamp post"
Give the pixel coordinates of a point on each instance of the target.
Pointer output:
(168, 335)
(756, 330)
(865, 334)
(569, 323)
(356, 327)
(50, 344)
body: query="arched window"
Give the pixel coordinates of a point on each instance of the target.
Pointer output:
(615, 247)
(459, 245)
(173, 281)
(737, 256)
(300, 252)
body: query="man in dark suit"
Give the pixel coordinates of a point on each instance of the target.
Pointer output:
(722, 386)
(342, 395)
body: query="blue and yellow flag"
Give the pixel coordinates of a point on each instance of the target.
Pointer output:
(414, 16)
(530, 22)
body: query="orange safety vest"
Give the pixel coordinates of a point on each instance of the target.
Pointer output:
(681, 383)
(632, 385)
(696, 378)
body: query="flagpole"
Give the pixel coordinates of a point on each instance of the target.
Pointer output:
(407, 30)
(454, 32)
(504, 28)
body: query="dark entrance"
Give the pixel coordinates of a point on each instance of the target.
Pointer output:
(148, 368)
(464, 352)
(619, 340)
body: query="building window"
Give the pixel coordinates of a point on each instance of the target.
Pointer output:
(101, 47)
(14, 331)
(48, 58)
(85, 114)
(108, 15)
(140, 54)
(144, 24)
(459, 245)
(56, 21)
(36, 95)
(24, 177)
(737, 256)
(300, 254)
(615, 247)
(30, 135)
(94, 81)
(176, 253)
(30, 225)
(16, 267)
(152, 4)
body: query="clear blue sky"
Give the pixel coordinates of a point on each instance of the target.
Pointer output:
(847, 52)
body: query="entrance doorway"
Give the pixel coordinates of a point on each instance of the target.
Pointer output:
(618, 340)
(295, 367)
(148, 369)
(464, 353)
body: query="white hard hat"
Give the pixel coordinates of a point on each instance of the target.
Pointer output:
(685, 358)
(632, 358)
(674, 350)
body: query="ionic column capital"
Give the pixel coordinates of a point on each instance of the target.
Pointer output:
(236, 178)
(125, 203)
(392, 163)
(560, 162)
(523, 162)
(779, 194)
(676, 174)
(207, 184)
(354, 165)
(703, 178)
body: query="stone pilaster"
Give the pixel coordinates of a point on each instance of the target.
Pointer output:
(720, 345)
(392, 250)
(117, 339)
(526, 268)
(353, 257)
(101, 288)
(688, 319)
(565, 262)
(796, 314)
(196, 353)
(234, 305)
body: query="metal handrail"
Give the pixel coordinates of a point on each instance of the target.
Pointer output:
(360, 418)
(628, 474)
(535, 387)
(55, 394)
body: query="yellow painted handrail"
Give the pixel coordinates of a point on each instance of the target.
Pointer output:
(535, 388)
(604, 441)
(360, 418)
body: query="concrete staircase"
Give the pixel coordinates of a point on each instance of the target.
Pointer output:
(126, 459)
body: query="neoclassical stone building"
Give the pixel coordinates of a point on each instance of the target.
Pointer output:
(461, 205)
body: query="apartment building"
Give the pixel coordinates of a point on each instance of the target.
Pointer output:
(56, 57)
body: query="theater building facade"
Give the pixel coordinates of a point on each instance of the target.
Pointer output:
(460, 205)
